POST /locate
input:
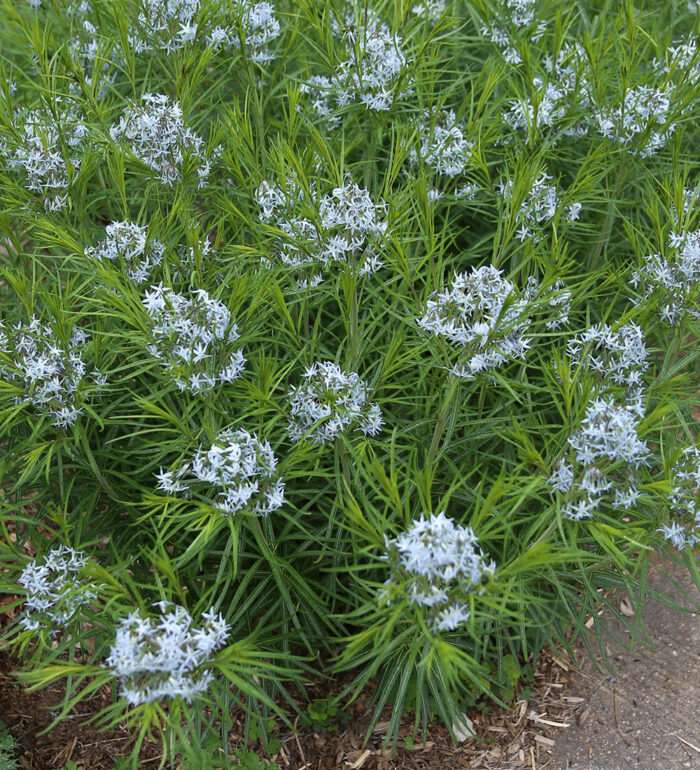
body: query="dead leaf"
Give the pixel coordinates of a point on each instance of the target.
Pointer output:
(464, 729)
(626, 607)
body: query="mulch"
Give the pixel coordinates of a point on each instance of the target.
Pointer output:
(520, 737)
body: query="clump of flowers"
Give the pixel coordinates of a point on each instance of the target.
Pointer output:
(607, 451)
(370, 74)
(484, 316)
(165, 657)
(444, 147)
(682, 58)
(156, 134)
(437, 564)
(672, 281)
(618, 356)
(641, 123)
(53, 375)
(513, 18)
(553, 97)
(539, 206)
(607, 454)
(127, 243)
(237, 470)
(351, 227)
(164, 24)
(329, 402)
(256, 28)
(430, 10)
(47, 147)
(685, 500)
(609, 431)
(560, 304)
(56, 590)
(192, 338)
(85, 50)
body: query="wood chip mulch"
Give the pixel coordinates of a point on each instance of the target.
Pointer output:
(521, 737)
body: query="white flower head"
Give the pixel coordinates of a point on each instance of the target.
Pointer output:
(236, 472)
(539, 207)
(165, 656)
(329, 402)
(618, 356)
(435, 563)
(156, 134)
(483, 315)
(672, 281)
(56, 590)
(444, 147)
(349, 228)
(609, 431)
(127, 242)
(193, 338)
(641, 122)
(166, 25)
(372, 63)
(255, 28)
(48, 151)
(53, 376)
(685, 496)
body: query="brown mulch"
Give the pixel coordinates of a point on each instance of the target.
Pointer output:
(521, 737)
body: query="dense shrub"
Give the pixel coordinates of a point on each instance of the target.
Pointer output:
(339, 337)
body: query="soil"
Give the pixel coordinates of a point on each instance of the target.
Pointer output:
(521, 737)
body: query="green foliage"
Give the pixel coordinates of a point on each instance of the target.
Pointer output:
(325, 716)
(298, 222)
(8, 749)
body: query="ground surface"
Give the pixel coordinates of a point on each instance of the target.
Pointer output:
(645, 715)
(642, 716)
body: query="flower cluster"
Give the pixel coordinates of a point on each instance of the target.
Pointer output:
(56, 590)
(685, 500)
(373, 68)
(127, 243)
(607, 453)
(436, 564)
(72, 7)
(609, 431)
(619, 357)
(47, 148)
(156, 134)
(350, 229)
(164, 657)
(539, 206)
(512, 19)
(641, 122)
(484, 315)
(430, 10)
(444, 147)
(607, 438)
(329, 402)
(193, 338)
(681, 58)
(237, 470)
(258, 27)
(54, 376)
(164, 24)
(553, 97)
(672, 281)
(560, 304)
(85, 51)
